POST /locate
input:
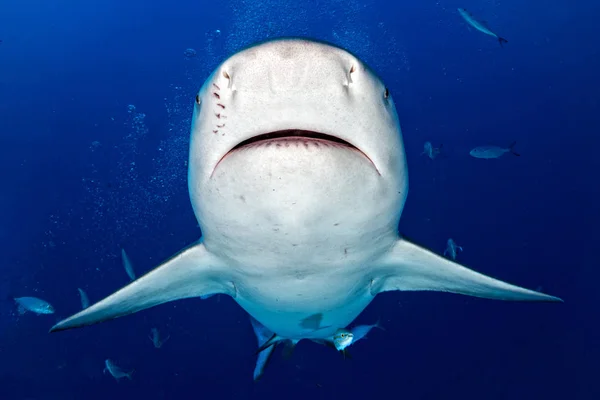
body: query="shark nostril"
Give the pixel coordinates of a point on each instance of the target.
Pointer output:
(352, 70)
(228, 77)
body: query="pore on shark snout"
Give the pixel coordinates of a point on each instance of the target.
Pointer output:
(297, 176)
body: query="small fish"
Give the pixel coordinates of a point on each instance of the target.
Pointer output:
(33, 304)
(155, 338)
(344, 337)
(430, 151)
(489, 152)
(190, 53)
(85, 302)
(116, 371)
(480, 25)
(451, 248)
(127, 265)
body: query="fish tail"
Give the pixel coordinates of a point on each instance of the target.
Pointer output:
(378, 324)
(130, 373)
(512, 149)
(501, 40)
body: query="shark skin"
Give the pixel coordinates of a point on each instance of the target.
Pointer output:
(298, 178)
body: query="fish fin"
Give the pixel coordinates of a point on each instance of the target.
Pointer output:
(484, 24)
(261, 362)
(501, 40)
(378, 324)
(409, 267)
(263, 335)
(127, 265)
(512, 149)
(274, 339)
(193, 272)
(129, 374)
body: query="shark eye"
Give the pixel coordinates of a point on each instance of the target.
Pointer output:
(386, 93)
(198, 101)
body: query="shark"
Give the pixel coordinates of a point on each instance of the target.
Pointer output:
(297, 176)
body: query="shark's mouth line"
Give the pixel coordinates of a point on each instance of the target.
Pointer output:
(294, 135)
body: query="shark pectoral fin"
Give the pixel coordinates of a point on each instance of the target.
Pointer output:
(410, 267)
(193, 272)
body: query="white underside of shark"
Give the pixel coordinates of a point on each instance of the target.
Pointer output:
(298, 178)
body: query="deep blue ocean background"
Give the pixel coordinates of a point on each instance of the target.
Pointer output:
(84, 173)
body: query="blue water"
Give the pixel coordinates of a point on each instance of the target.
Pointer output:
(83, 174)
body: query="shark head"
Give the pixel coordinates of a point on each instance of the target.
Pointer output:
(286, 135)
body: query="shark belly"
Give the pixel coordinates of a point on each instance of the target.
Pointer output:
(304, 307)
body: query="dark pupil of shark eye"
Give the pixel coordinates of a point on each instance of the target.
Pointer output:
(386, 93)
(198, 99)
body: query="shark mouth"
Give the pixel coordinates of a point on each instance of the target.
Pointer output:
(295, 136)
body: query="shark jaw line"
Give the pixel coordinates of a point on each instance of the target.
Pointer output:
(298, 136)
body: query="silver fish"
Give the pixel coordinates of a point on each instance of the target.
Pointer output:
(344, 337)
(155, 338)
(127, 265)
(430, 151)
(451, 248)
(85, 301)
(33, 304)
(116, 371)
(489, 152)
(480, 25)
